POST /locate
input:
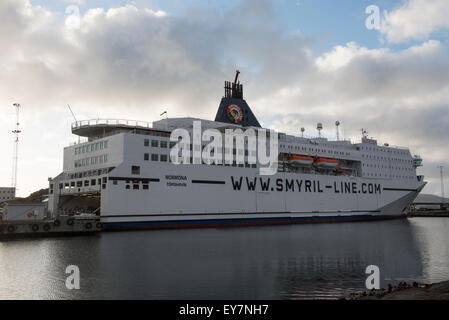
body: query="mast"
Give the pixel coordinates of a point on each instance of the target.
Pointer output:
(442, 184)
(16, 132)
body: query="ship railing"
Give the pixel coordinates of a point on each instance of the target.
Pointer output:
(111, 122)
(325, 139)
(379, 144)
(396, 147)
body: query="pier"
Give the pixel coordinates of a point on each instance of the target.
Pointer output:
(32, 220)
(63, 225)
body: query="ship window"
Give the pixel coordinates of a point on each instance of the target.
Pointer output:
(105, 179)
(146, 142)
(127, 187)
(135, 187)
(163, 144)
(163, 157)
(154, 157)
(106, 144)
(172, 144)
(155, 143)
(115, 182)
(92, 182)
(146, 156)
(135, 170)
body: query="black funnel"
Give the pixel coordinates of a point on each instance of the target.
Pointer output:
(233, 108)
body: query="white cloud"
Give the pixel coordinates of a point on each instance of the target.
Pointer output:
(415, 20)
(340, 56)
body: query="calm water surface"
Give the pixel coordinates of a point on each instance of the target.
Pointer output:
(279, 262)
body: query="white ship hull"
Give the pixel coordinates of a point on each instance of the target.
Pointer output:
(203, 196)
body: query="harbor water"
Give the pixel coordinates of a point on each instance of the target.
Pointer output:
(315, 261)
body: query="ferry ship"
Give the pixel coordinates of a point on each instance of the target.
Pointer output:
(123, 173)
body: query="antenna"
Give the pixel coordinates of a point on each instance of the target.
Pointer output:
(16, 132)
(442, 183)
(337, 124)
(76, 121)
(302, 132)
(68, 105)
(319, 127)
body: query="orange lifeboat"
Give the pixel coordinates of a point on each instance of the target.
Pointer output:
(326, 163)
(297, 160)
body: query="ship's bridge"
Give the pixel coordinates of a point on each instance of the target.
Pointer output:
(98, 128)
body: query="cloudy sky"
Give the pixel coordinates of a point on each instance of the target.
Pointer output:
(301, 63)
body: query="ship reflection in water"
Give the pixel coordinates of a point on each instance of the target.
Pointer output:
(280, 262)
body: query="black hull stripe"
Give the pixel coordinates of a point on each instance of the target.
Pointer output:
(398, 189)
(135, 179)
(208, 182)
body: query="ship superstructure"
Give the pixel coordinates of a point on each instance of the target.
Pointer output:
(124, 173)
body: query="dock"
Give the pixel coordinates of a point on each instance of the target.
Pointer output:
(62, 226)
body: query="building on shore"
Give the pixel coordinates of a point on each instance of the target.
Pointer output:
(7, 193)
